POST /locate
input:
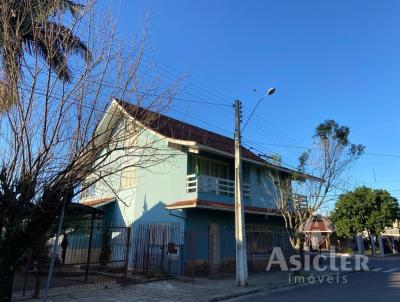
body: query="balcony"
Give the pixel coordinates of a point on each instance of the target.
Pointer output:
(214, 185)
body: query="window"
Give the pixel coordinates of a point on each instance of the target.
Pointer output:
(223, 171)
(214, 169)
(128, 178)
(115, 129)
(204, 167)
(258, 172)
(209, 167)
(246, 173)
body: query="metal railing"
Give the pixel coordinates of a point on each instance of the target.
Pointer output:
(104, 255)
(93, 255)
(218, 186)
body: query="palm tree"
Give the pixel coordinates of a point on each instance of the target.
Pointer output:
(27, 26)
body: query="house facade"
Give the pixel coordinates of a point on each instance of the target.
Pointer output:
(192, 190)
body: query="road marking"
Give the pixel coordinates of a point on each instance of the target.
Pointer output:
(377, 269)
(391, 270)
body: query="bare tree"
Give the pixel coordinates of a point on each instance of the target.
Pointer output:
(299, 195)
(62, 137)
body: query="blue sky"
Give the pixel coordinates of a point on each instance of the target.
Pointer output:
(327, 59)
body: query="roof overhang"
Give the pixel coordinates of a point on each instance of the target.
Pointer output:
(98, 202)
(194, 147)
(227, 154)
(219, 206)
(79, 209)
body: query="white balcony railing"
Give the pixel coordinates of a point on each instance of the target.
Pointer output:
(218, 186)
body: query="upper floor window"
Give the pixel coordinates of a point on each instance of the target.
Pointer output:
(258, 173)
(209, 167)
(114, 130)
(246, 173)
(128, 178)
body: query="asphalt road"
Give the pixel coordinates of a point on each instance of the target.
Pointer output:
(381, 283)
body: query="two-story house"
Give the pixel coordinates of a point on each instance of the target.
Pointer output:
(194, 188)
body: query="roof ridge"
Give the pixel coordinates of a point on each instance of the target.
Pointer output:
(173, 119)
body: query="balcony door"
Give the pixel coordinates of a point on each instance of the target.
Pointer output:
(209, 167)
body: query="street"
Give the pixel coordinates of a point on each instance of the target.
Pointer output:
(382, 283)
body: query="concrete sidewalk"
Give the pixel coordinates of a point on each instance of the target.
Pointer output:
(198, 290)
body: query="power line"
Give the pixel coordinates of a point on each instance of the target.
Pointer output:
(275, 133)
(382, 154)
(201, 121)
(197, 83)
(278, 145)
(302, 147)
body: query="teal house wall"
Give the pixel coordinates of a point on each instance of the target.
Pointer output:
(165, 183)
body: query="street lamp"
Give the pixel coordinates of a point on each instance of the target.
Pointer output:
(240, 230)
(269, 92)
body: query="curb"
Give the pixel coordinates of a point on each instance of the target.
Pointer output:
(279, 288)
(236, 295)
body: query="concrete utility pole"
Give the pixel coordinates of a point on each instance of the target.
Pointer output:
(240, 232)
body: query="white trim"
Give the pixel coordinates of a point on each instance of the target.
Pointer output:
(181, 207)
(175, 141)
(195, 146)
(198, 146)
(199, 206)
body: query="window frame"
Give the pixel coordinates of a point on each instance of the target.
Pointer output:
(128, 181)
(195, 162)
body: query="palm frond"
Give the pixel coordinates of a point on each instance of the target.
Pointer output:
(51, 7)
(53, 41)
(64, 38)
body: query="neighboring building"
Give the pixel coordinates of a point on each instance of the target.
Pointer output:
(318, 231)
(391, 238)
(193, 190)
(393, 231)
(388, 241)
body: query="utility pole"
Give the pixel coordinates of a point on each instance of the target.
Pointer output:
(240, 233)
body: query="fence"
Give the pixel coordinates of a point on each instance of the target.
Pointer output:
(88, 255)
(213, 253)
(157, 249)
(98, 255)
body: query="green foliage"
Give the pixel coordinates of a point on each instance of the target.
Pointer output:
(303, 159)
(25, 220)
(364, 209)
(330, 131)
(347, 250)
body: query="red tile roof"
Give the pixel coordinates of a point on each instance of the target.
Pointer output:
(172, 128)
(216, 205)
(321, 225)
(93, 202)
(175, 129)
